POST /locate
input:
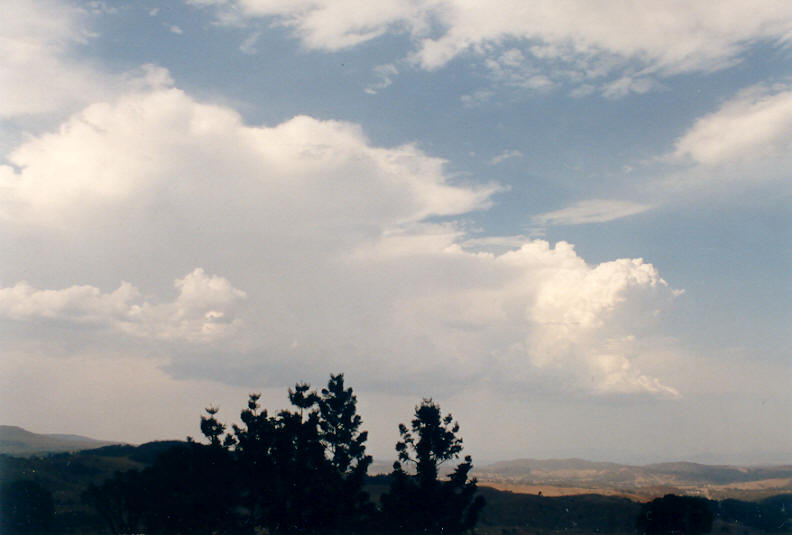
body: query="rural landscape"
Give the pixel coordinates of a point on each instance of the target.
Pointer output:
(307, 471)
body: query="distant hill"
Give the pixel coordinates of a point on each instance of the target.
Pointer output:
(17, 441)
(576, 476)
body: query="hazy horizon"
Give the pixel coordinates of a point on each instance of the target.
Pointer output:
(570, 225)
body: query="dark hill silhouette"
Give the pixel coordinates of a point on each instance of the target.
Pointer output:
(15, 440)
(145, 453)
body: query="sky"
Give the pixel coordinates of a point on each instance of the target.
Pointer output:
(569, 223)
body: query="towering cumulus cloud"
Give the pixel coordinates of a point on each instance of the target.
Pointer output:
(318, 248)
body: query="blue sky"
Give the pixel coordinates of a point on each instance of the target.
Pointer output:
(569, 223)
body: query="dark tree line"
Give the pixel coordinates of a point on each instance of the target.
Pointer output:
(684, 515)
(300, 471)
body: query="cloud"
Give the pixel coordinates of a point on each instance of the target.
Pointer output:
(755, 124)
(38, 69)
(248, 46)
(200, 313)
(505, 155)
(118, 156)
(334, 241)
(591, 211)
(385, 74)
(619, 46)
(477, 98)
(743, 145)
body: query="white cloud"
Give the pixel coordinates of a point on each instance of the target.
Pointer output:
(591, 211)
(756, 124)
(328, 25)
(200, 313)
(476, 98)
(248, 46)
(128, 154)
(505, 155)
(330, 239)
(175, 29)
(619, 45)
(37, 71)
(384, 74)
(742, 146)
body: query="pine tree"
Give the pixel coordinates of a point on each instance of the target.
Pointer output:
(423, 502)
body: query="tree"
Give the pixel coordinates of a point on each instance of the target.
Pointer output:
(302, 470)
(254, 446)
(211, 427)
(340, 427)
(345, 449)
(25, 508)
(191, 489)
(121, 501)
(422, 502)
(686, 515)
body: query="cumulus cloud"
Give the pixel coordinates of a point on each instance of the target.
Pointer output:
(333, 241)
(591, 211)
(620, 45)
(37, 38)
(200, 313)
(145, 149)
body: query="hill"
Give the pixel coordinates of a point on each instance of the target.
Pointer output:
(577, 476)
(17, 441)
(67, 475)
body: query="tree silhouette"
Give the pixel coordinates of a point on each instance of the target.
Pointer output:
(191, 489)
(254, 446)
(345, 449)
(121, 501)
(686, 515)
(211, 427)
(422, 502)
(340, 426)
(25, 508)
(302, 470)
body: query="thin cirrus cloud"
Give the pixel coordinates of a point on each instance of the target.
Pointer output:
(591, 211)
(505, 155)
(618, 47)
(755, 124)
(384, 75)
(328, 242)
(744, 143)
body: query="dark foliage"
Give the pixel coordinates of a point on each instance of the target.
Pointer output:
(772, 514)
(591, 513)
(421, 502)
(300, 471)
(676, 514)
(25, 507)
(189, 489)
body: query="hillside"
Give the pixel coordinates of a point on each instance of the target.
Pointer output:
(576, 476)
(67, 475)
(17, 441)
